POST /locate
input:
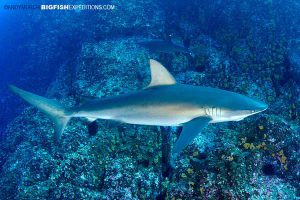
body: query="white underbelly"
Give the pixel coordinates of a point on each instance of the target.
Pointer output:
(172, 115)
(154, 120)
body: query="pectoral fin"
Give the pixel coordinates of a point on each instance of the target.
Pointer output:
(190, 130)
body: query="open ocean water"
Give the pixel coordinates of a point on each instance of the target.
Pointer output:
(81, 52)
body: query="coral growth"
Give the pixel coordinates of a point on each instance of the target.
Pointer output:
(241, 46)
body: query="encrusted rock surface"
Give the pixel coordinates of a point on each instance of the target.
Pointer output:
(257, 158)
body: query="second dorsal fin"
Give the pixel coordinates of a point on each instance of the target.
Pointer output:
(160, 75)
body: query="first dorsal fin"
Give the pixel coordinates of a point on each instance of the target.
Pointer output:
(160, 75)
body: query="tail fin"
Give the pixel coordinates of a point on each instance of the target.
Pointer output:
(53, 109)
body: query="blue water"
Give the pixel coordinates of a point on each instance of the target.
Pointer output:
(23, 59)
(248, 47)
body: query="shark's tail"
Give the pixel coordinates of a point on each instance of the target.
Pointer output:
(53, 109)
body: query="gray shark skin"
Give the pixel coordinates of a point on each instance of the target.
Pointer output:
(163, 103)
(165, 46)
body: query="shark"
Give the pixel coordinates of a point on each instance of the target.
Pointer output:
(165, 46)
(164, 102)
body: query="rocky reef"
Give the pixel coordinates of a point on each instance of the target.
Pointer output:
(237, 48)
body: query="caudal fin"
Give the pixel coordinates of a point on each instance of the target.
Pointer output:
(53, 109)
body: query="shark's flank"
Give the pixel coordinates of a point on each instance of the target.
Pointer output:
(163, 103)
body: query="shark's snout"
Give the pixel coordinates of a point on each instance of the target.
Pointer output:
(264, 107)
(260, 106)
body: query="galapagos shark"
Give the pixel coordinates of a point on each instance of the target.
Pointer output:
(162, 103)
(165, 46)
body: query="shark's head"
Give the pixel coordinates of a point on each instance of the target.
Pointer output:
(242, 107)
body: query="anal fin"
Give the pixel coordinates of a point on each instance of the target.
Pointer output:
(92, 128)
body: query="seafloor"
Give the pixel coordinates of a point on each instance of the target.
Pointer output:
(249, 47)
